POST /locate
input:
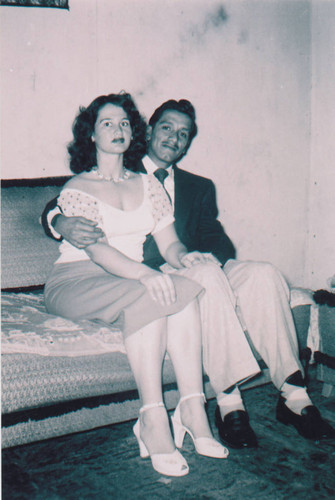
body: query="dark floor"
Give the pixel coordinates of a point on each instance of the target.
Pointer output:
(105, 464)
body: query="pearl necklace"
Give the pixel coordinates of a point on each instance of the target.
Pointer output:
(125, 175)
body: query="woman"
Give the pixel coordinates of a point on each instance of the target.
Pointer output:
(108, 281)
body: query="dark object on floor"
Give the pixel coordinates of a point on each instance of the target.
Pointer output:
(235, 430)
(309, 424)
(323, 297)
(324, 359)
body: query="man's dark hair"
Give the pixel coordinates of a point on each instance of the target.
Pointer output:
(183, 106)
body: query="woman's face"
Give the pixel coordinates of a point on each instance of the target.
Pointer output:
(112, 130)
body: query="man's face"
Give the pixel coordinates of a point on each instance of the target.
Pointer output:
(169, 138)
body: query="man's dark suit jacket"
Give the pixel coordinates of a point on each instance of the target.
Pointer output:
(196, 219)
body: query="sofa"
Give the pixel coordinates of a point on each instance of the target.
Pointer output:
(59, 376)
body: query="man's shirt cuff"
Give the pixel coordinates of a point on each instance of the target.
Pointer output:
(50, 216)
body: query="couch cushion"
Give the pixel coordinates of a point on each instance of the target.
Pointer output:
(28, 328)
(27, 254)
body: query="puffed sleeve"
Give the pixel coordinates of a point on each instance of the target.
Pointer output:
(75, 203)
(162, 211)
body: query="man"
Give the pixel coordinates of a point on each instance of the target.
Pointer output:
(245, 302)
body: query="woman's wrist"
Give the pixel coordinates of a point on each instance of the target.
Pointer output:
(145, 271)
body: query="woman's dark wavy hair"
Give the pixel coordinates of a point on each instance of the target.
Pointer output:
(82, 149)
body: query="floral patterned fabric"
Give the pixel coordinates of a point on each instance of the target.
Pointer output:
(28, 328)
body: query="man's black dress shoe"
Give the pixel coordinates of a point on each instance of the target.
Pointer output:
(309, 424)
(234, 429)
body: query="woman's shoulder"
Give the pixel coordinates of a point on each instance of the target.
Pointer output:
(80, 188)
(77, 181)
(76, 200)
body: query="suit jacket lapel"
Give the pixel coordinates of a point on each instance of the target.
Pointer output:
(141, 167)
(181, 201)
(178, 199)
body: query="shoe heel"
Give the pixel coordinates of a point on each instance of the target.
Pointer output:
(206, 446)
(143, 449)
(178, 431)
(168, 464)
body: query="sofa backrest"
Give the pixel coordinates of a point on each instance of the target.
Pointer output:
(27, 254)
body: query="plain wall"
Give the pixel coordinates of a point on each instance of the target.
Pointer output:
(246, 66)
(321, 234)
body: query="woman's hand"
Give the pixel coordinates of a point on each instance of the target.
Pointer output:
(160, 287)
(192, 258)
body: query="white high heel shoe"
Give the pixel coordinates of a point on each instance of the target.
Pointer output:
(169, 464)
(207, 446)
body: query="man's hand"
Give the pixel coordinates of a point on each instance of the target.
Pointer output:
(192, 258)
(78, 231)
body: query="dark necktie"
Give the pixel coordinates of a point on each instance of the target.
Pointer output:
(161, 175)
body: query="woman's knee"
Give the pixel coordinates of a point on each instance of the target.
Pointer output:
(191, 310)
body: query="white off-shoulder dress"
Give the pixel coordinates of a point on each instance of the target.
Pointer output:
(80, 289)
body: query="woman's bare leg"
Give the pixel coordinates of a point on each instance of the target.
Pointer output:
(184, 348)
(146, 350)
